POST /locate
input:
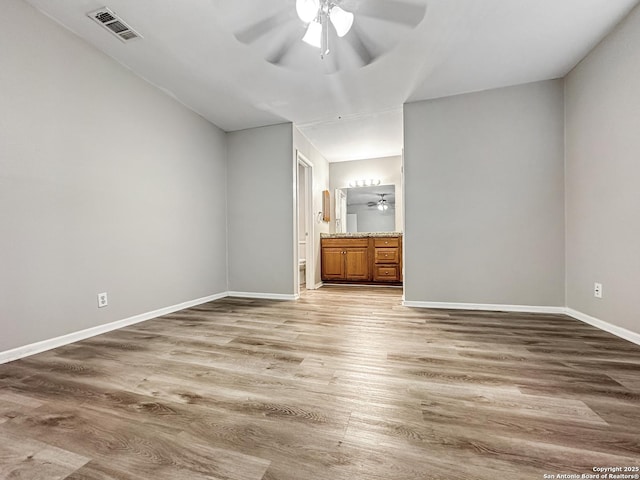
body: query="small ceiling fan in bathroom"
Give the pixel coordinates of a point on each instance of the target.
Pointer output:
(382, 204)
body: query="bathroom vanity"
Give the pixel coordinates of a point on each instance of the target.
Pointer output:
(368, 258)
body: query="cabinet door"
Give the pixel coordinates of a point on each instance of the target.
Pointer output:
(332, 263)
(357, 264)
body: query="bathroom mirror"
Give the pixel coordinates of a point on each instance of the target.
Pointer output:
(366, 209)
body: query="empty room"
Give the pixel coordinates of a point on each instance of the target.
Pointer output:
(319, 239)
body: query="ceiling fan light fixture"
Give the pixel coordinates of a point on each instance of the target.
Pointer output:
(313, 36)
(341, 20)
(307, 10)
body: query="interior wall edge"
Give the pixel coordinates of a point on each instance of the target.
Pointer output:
(44, 345)
(602, 197)
(261, 210)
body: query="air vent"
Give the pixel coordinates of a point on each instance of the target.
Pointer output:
(114, 24)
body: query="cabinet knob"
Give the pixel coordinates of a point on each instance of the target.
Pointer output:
(386, 243)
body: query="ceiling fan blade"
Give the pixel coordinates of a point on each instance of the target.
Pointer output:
(290, 41)
(277, 56)
(258, 29)
(395, 11)
(354, 39)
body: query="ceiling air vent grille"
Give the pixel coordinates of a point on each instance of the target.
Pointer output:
(114, 24)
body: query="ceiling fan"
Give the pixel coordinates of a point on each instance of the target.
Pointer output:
(347, 33)
(317, 14)
(382, 204)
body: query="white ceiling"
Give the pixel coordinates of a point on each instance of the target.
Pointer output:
(358, 137)
(189, 50)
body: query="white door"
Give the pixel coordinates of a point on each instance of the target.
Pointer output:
(341, 211)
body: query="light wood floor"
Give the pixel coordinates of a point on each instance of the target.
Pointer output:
(343, 384)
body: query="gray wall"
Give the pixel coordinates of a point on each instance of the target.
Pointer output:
(261, 209)
(603, 178)
(484, 213)
(370, 219)
(320, 183)
(106, 184)
(387, 169)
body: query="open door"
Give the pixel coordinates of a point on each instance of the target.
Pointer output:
(305, 266)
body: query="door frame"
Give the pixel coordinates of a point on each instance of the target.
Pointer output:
(310, 250)
(340, 213)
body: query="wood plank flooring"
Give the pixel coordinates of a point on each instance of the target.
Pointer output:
(343, 384)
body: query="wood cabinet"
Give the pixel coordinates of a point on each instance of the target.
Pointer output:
(356, 261)
(345, 259)
(362, 260)
(333, 263)
(387, 259)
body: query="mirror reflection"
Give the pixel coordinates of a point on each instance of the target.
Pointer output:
(366, 209)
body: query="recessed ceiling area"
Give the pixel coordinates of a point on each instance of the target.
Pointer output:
(190, 50)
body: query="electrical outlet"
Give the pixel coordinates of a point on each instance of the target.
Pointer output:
(102, 300)
(597, 290)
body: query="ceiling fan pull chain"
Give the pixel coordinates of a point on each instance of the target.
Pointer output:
(324, 49)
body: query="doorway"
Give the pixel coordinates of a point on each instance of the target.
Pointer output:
(305, 239)
(368, 207)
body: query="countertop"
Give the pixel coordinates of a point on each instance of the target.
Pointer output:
(361, 235)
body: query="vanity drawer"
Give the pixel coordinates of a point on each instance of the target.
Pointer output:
(345, 242)
(386, 273)
(386, 242)
(387, 255)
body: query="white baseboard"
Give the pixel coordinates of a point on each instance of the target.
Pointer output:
(485, 307)
(264, 296)
(316, 286)
(606, 326)
(44, 345)
(38, 347)
(583, 317)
